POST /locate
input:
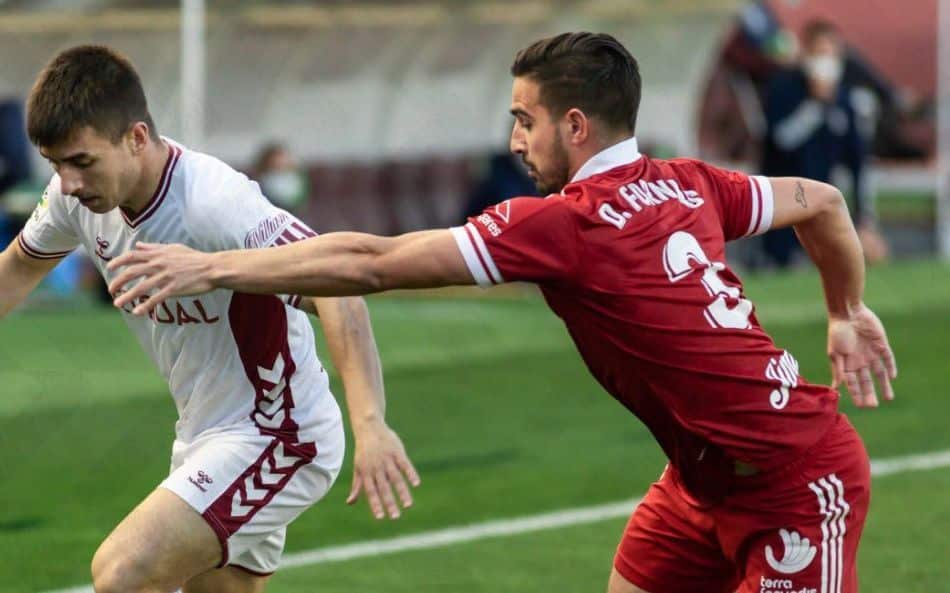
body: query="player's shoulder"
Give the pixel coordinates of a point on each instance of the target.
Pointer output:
(526, 206)
(684, 165)
(207, 173)
(211, 185)
(699, 171)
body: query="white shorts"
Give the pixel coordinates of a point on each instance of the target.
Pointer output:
(249, 487)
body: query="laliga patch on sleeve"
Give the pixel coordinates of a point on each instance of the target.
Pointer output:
(42, 207)
(266, 231)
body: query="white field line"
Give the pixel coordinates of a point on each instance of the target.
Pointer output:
(440, 538)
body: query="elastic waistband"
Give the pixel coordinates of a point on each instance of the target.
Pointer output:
(761, 478)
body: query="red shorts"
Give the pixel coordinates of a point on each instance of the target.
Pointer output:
(791, 530)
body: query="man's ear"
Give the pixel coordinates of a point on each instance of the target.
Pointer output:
(578, 126)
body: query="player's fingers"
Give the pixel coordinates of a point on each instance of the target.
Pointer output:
(386, 493)
(837, 370)
(153, 301)
(129, 257)
(883, 379)
(887, 356)
(372, 496)
(868, 394)
(134, 293)
(405, 465)
(356, 488)
(147, 285)
(851, 382)
(399, 482)
(125, 277)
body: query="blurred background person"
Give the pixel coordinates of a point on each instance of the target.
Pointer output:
(812, 126)
(280, 178)
(14, 166)
(504, 176)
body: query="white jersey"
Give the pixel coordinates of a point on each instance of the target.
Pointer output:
(233, 361)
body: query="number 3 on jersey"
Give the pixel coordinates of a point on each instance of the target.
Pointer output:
(683, 255)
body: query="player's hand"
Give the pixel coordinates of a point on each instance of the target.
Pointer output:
(379, 466)
(858, 348)
(162, 272)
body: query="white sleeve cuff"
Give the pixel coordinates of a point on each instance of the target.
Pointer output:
(476, 256)
(763, 205)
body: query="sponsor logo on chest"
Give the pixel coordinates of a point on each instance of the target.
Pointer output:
(178, 312)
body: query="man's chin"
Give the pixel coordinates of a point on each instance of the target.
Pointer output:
(97, 205)
(545, 189)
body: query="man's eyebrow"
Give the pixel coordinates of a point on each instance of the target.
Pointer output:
(73, 157)
(520, 113)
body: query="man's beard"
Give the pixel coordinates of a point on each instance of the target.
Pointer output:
(556, 181)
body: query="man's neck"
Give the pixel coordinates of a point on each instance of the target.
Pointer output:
(593, 148)
(153, 164)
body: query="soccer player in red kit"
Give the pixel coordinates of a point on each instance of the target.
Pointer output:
(767, 486)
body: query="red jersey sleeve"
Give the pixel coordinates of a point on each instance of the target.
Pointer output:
(744, 201)
(527, 239)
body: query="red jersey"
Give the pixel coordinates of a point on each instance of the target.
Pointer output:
(631, 255)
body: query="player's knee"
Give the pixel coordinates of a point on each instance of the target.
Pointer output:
(119, 573)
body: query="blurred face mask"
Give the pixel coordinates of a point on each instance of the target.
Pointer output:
(824, 68)
(284, 188)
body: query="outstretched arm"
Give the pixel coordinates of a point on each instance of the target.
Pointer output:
(380, 463)
(19, 275)
(857, 343)
(335, 264)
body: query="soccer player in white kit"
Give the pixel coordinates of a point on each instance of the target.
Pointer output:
(259, 437)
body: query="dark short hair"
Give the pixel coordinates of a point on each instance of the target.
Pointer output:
(88, 85)
(590, 71)
(818, 28)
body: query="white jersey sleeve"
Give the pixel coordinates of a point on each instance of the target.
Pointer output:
(49, 232)
(234, 214)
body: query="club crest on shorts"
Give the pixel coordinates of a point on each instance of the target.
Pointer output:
(797, 555)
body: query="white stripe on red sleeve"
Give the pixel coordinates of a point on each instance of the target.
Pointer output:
(767, 200)
(482, 250)
(756, 209)
(467, 248)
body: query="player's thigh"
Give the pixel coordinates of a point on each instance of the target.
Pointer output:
(815, 554)
(812, 544)
(670, 546)
(161, 544)
(251, 489)
(229, 579)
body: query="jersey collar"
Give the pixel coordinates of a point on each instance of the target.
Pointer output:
(622, 153)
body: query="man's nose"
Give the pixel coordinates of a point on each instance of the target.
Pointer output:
(70, 183)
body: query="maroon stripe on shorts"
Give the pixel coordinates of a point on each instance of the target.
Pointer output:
(255, 488)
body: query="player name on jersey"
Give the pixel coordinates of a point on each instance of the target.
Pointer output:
(643, 193)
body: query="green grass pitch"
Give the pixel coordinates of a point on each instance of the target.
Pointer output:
(501, 418)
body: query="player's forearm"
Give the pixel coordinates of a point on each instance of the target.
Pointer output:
(349, 335)
(832, 243)
(17, 280)
(335, 264)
